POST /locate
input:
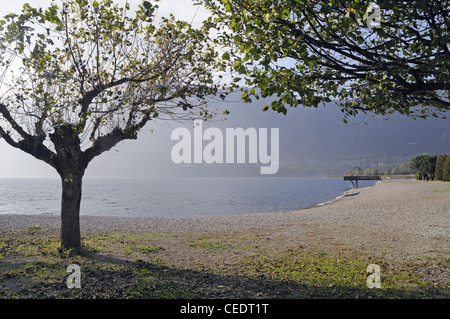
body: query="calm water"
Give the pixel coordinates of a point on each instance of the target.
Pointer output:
(172, 196)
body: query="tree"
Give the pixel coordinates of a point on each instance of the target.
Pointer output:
(424, 165)
(440, 161)
(395, 171)
(405, 168)
(356, 171)
(86, 76)
(446, 170)
(390, 57)
(371, 171)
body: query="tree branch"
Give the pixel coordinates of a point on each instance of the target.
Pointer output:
(31, 144)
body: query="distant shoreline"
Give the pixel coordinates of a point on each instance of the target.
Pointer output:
(408, 176)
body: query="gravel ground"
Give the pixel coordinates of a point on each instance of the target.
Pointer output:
(398, 219)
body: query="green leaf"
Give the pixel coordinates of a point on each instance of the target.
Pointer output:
(147, 5)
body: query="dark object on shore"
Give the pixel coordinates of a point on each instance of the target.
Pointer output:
(361, 178)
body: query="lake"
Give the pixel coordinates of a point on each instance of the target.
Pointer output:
(173, 196)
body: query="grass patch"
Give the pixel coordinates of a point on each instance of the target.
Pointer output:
(318, 269)
(208, 243)
(125, 243)
(444, 190)
(34, 242)
(33, 229)
(341, 273)
(48, 270)
(149, 287)
(149, 249)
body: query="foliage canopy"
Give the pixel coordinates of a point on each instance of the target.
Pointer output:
(392, 56)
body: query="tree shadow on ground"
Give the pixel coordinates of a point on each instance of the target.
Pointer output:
(108, 277)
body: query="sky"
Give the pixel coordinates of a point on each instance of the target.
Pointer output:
(151, 148)
(182, 9)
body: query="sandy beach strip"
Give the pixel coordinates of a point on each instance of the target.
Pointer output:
(398, 219)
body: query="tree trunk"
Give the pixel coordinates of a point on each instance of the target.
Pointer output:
(70, 210)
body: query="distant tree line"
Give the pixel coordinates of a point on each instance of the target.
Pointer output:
(431, 167)
(423, 166)
(402, 169)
